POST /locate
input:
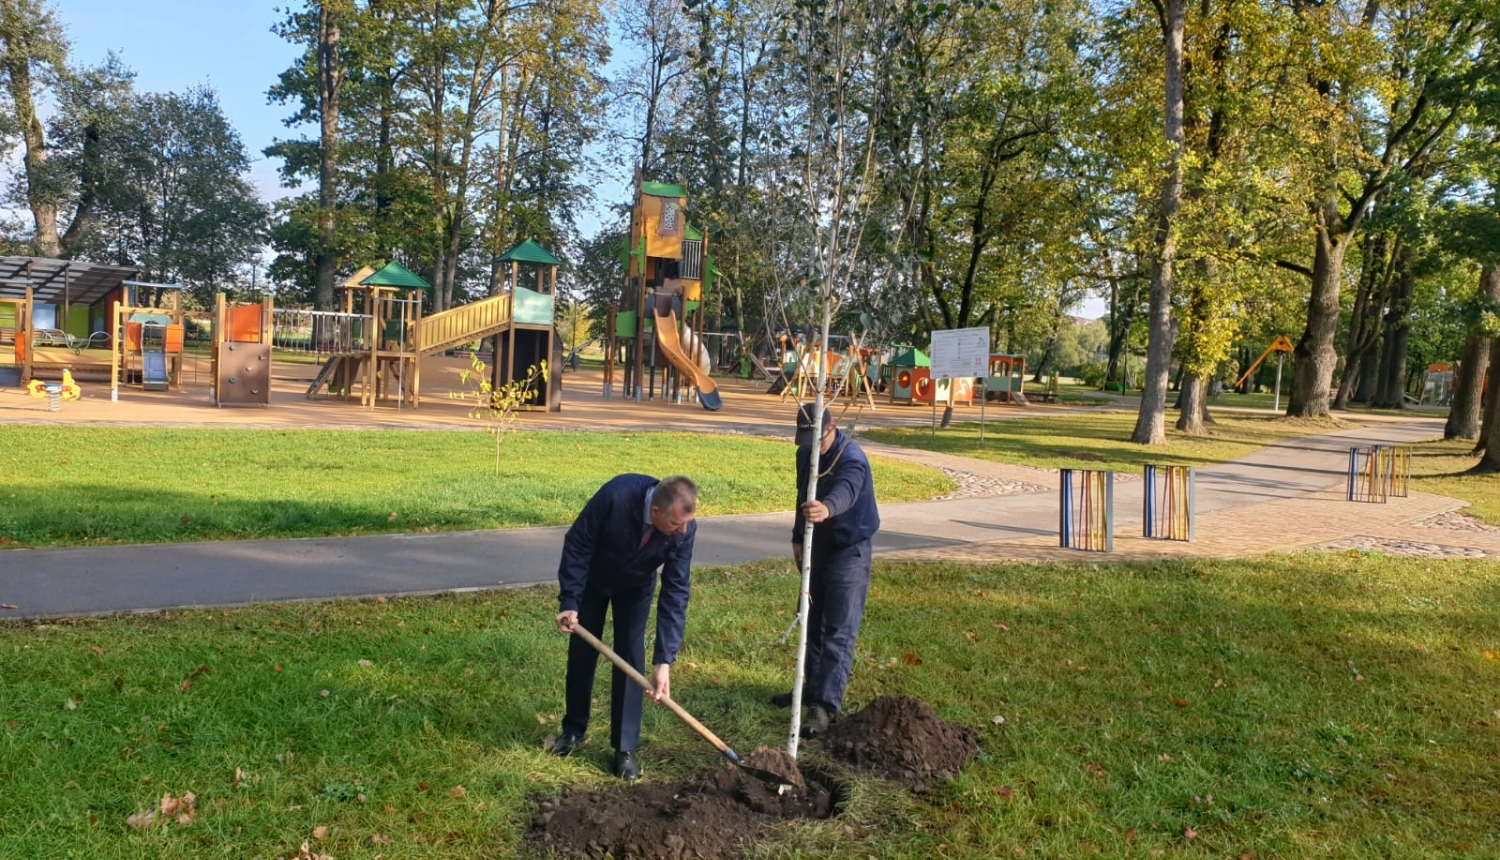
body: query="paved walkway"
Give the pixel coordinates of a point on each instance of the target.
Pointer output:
(1286, 497)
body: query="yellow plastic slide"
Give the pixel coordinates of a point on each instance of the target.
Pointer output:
(666, 341)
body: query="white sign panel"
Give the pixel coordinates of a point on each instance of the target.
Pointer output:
(960, 352)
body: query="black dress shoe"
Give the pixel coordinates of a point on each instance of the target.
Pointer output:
(626, 767)
(566, 744)
(816, 722)
(782, 700)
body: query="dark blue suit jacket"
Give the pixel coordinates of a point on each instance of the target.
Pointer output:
(603, 553)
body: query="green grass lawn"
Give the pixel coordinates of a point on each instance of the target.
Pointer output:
(98, 485)
(1091, 441)
(1443, 468)
(1287, 707)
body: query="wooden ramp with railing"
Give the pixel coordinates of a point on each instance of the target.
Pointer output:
(460, 325)
(393, 366)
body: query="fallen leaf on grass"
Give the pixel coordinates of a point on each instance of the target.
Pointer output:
(1189, 833)
(320, 832)
(73, 703)
(1095, 769)
(366, 663)
(306, 853)
(1181, 703)
(457, 791)
(997, 720)
(1219, 684)
(911, 659)
(1130, 835)
(971, 636)
(1005, 791)
(98, 652)
(1002, 626)
(1488, 655)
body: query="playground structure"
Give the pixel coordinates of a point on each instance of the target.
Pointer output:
(851, 372)
(88, 320)
(911, 382)
(241, 362)
(374, 344)
(668, 272)
(1281, 346)
(1006, 382)
(94, 320)
(151, 350)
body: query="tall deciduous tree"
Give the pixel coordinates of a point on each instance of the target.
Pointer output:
(33, 52)
(1150, 425)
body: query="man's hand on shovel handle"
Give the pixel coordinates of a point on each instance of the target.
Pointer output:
(661, 675)
(661, 682)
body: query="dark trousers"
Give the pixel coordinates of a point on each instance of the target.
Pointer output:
(631, 609)
(840, 584)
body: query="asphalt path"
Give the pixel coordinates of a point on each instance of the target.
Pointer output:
(45, 583)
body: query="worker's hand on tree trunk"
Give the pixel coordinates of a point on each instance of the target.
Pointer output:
(661, 682)
(815, 511)
(566, 621)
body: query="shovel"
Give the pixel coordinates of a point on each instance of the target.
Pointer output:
(675, 708)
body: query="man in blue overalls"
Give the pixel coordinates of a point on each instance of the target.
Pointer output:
(845, 519)
(631, 527)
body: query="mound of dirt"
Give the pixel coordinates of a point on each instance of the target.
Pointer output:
(711, 817)
(901, 739)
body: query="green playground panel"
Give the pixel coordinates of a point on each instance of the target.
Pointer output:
(531, 307)
(625, 324)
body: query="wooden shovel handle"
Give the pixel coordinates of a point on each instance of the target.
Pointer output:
(641, 679)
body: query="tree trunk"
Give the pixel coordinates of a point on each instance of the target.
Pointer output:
(1489, 434)
(1150, 422)
(1194, 405)
(1464, 417)
(1369, 376)
(1390, 394)
(1315, 356)
(1364, 317)
(42, 202)
(330, 83)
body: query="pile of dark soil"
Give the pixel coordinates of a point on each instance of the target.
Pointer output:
(901, 739)
(710, 818)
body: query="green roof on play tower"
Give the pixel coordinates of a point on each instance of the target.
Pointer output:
(912, 358)
(662, 189)
(396, 275)
(530, 252)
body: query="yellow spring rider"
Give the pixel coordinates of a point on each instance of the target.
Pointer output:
(70, 390)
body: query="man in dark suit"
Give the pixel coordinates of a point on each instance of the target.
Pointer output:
(633, 526)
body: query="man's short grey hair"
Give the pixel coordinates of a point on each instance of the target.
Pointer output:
(676, 490)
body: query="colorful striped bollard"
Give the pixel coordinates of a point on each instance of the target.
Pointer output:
(1368, 481)
(1171, 496)
(1086, 511)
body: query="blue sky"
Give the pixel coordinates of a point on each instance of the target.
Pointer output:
(175, 44)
